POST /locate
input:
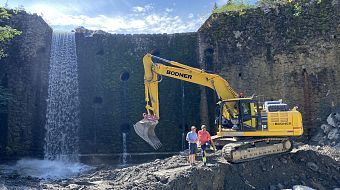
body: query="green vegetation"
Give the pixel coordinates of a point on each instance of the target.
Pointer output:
(234, 5)
(271, 3)
(242, 5)
(6, 32)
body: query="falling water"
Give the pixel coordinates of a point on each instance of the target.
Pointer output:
(124, 106)
(183, 116)
(63, 100)
(124, 149)
(62, 118)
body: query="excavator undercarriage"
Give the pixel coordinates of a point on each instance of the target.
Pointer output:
(245, 150)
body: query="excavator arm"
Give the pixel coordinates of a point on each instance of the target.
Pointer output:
(152, 73)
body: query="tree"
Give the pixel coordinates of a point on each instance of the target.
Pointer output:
(6, 32)
(235, 5)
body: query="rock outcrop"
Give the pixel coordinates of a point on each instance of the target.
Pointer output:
(279, 53)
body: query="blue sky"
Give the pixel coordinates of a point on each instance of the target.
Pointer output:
(121, 16)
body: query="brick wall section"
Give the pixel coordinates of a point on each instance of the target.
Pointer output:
(110, 106)
(25, 74)
(278, 55)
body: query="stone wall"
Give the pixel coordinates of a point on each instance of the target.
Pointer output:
(112, 91)
(279, 53)
(24, 73)
(289, 52)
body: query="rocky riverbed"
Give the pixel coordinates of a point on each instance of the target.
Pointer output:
(310, 166)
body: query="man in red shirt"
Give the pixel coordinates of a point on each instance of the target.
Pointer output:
(203, 139)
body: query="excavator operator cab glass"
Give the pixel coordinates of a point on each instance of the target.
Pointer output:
(245, 113)
(245, 108)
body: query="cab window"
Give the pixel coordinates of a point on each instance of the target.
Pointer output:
(246, 108)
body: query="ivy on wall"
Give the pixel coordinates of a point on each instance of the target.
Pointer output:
(7, 33)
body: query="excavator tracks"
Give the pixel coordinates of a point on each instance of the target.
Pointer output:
(245, 150)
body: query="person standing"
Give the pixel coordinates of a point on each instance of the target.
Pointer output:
(192, 139)
(204, 138)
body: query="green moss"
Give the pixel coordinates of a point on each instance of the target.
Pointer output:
(6, 32)
(297, 9)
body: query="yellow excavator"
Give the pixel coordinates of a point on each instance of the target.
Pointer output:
(246, 130)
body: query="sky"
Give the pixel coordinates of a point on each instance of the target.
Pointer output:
(121, 16)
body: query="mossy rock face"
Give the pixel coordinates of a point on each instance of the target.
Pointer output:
(288, 52)
(24, 73)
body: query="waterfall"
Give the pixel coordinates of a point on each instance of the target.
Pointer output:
(62, 116)
(125, 154)
(183, 116)
(124, 106)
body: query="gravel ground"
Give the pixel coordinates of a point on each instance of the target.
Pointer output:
(313, 166)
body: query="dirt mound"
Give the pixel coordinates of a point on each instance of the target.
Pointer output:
(306, 166)
(315, 167)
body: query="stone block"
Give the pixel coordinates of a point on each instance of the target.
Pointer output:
(332, 119)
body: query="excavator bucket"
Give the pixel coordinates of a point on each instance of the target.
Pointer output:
(146, 130)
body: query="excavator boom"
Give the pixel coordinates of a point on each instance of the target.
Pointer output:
(145, 127)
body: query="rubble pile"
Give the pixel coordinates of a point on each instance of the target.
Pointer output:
(310, 166)
(330, 132)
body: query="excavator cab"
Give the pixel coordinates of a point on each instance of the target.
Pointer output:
(240, 114)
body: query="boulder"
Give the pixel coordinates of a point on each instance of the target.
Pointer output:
(313, 166)
(333, 120)
(162, 178)
(326, 128)
(2, 186)
(302, 187)
(337, 116)
(333, 134)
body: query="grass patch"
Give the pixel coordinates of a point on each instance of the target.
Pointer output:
(238, 6)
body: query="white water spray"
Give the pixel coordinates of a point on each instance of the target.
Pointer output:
(44, 169)
(63, 100)
(125, 154)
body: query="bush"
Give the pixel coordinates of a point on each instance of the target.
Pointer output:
(232, 5)
(6, 32)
